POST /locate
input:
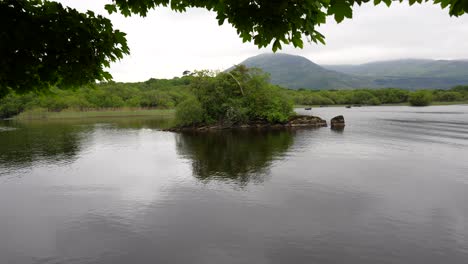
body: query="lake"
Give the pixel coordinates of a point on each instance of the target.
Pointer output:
(392, 187)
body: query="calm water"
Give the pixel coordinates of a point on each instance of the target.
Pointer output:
(391, 188)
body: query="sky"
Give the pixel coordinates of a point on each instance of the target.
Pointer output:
(166, 43)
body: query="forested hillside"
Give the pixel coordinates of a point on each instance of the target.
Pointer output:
(407, 68)
(296, 72)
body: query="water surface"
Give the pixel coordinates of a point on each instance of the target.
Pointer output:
(392, 187)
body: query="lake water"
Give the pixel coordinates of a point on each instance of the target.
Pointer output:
(391, 188)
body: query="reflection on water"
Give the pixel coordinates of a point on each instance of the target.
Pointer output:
(47, 143)
(391, 188)
(233, 155)
(26, 143)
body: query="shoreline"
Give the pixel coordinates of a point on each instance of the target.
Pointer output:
(400, 104)
(76, 114)
(294, 122)
(37, 114)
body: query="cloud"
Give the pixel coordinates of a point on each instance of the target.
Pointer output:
(166, 43)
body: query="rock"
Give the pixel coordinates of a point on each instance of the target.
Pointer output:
(297, 121)
(337, 122)
(306, 121)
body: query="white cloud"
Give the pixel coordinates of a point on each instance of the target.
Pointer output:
(166, 43)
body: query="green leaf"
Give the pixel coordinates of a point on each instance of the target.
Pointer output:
(276, 45)
(388, 2)
(340, 9)
(111, 8)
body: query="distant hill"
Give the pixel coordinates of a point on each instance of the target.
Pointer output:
(407, 68)
(298, 72)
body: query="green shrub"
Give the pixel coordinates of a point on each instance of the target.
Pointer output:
(189, 112)
(448, 96)
(236, 115)
(362, 97)
(267, 103)
(239, 96)
(372, 101)
(420, 98)
(10, 105)
(316, 99)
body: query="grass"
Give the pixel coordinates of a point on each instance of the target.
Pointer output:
(42, 114)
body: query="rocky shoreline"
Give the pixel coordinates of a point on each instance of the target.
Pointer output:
(294, 122)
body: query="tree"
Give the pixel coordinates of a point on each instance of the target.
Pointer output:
(189, 112)
(420, 98)
(266, 21)
(218, 99)
(43, 44)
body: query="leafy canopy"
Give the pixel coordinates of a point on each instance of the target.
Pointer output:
(420, 98)
(277, 22)
(235, 97)
(43, 44)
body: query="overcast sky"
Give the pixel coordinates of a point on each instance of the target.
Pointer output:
(166, 43)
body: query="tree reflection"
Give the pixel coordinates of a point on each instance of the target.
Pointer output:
(241, 156)
(27, 143)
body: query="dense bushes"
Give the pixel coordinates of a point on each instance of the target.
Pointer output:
(149, 94)
(420, 98)
(189, 112)
(359, 96)
(447, 96)
(236, 97)
(376, 97)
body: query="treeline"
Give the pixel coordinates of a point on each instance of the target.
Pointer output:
(168, 93)
(154, 93)
(376, 96)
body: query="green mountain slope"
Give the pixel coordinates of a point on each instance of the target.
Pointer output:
(298, 72)
(407, 68)
(411, 73)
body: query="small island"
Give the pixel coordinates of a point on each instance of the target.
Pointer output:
(239, 99)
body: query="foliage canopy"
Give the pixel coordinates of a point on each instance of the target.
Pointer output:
(273, 22)
(420, 98)
(234, 97)
(44, 44)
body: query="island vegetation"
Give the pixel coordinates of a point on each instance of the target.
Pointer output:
(236, 97)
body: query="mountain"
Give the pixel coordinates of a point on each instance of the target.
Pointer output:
(298, 72)
(407, 68)
(410, 73)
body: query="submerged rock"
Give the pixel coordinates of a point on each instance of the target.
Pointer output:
(297, 121)
(305, 120)
(337, 122)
